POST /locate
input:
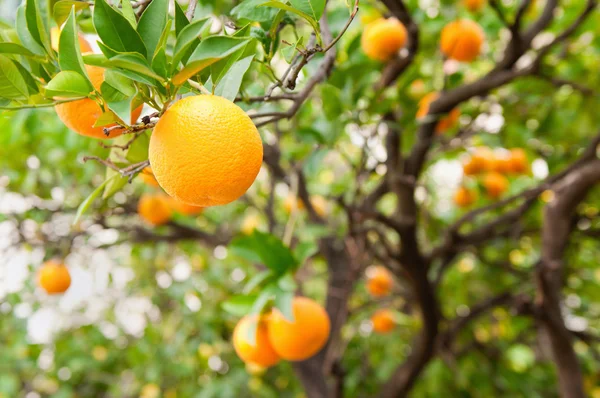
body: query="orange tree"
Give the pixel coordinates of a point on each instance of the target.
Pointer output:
(386, 202)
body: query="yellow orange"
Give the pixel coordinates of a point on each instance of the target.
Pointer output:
(81, 115)
(383, 38)
(495, 184)
(155, 209)
(318, 203)
(462, 40)
(54, 277)
(474, 5)
(303, 337)
(445, 122)
(383, 321)
(205, 151)
(465, 197)
(148, 177)
(379, 281)
(258, 352)
(519, 163)
(84, 45)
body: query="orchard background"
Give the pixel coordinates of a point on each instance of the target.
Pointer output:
(469, 219)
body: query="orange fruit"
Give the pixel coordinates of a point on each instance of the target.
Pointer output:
(383, 38)
(464, 197)
(518, 161)
(462, 40)
(303, 337)
(258, 352)
(81, 115)
(474, 5)
(155, 209)
(445, 122)
(417, 89)
(383, 321)
(54, 277)
(379, 281)
(148, 177)
(495, 184)
(185, 209)
(318, 203)
(205, 151)
(84, 45)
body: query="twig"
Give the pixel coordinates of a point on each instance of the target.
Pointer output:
(189, 13)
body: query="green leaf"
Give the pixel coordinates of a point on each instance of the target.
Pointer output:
(106, 118)
(62, 9)
(239, 305)
(69, 56)
(265, 248)
(287, 283)
(138, 151)
(290, 52)
(32, 84)
(129, 61)
(305, 250)
(251, 11)
(117, 102)
(152, 23)
(119, 82)
(181, 20)
(12, 84)
(266, 295)
(68, 84)
(314, 8)
(85, 205)
(284, 300)
(115, 31)
(230, 84)
(189, 38)
(208, 52)
(25, 36)
(257, 280)
(13, 48)
(311, 20)
(160, 60)
(128, 12)
(35, 23)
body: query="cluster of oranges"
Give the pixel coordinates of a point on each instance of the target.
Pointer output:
(279, 338)
(379, 284)
(493, 167)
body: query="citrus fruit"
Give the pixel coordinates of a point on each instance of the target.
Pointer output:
(518, 161)
(318, 203)
(84, 45)
(383, 38)
(303, 337)
(205, 151)
(54, 277)
(474, 5)
(258, 352)
(464, 197)
(383, 321)
(148, 177)
(185, 209)
(495, 184)
(81, 115)
(445, 122)
(155, 209)
(379, 281)
(462, 40)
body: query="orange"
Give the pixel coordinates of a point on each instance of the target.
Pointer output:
(185, 209)
(54, 277)
(464, 197)
(155, 209)
(518, 161)
(379, 281)
(445, 122)
(148, 177)
(205, 151)
(84, 45)
(258, 352)
(383, 321)
(417, 89)
(303, 337)
(383, 38)
(495, 184)
(462, 40)
(474, 5)
(500, 163)
(80, 116)
(318, 203)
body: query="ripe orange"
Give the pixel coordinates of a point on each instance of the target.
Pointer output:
(445, 122)
(500, 163)
(184, 208)
(80, 116)
(383, 321)
(474, 5)
(84, 45)
(155, 209)
(464, 197)
(518, 161)
(259, 352)
(462, 40)
(305, 336)
(495, 184)
(148, 177)
(417, 89)
(318, 203)
(383, 38)
(379, 281)
(205, 151)
(54, 277)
